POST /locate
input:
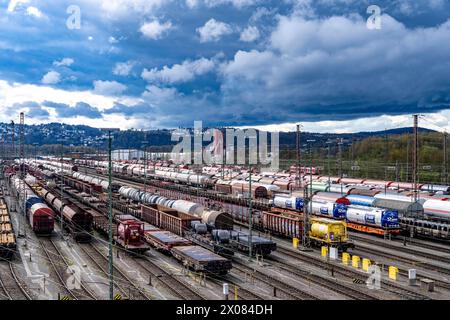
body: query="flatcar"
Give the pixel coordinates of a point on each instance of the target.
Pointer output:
(8, 242)
(201, 260)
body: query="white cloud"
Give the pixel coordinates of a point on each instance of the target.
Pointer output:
(250, 34)
(108, 88)
(123, 68)
(364, 124)
(192, 3)
(14, 3)
(155, 30)
(64, 62)
(178, 73)
(51, 77)
(324, 71)
(11, 94)
(112, 40)
(214, 30)
(35, 12)
(117, 9)
(215, 3)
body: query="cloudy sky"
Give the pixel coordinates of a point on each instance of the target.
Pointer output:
(264, 63)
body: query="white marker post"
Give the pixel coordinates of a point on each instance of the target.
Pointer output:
(412, 277)
(225, 291)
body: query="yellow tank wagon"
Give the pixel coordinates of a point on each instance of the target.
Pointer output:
(328, 232)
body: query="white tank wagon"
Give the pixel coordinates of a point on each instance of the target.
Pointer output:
(217, 220)
(437, 209)
(188, 207)
(329, 209)
(435, 188)
(382, 218)
(397, 197)
(294, 203)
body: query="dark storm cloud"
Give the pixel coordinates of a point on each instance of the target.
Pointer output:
(80, 109)
(33, 110)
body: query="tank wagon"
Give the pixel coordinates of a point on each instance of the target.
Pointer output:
(372, 220)
(329, 232)
(333, 210)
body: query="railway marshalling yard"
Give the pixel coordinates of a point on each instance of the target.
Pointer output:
(58, 267)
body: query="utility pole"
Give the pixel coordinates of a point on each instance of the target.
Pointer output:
(110, 218)
(445, 180)
(61, 185)
(21, 162)
(250, 215)
(22, 138)
(13, 140)
(340, 141)
(298, 180)
(415, 155)
(328, 162)
(224, 155)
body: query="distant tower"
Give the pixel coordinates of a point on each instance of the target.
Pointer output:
(298, 181)
(13, 131)
(445, 167)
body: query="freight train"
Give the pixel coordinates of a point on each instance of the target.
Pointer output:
(285, 180)
(7, 237)
(385, 213)
(77, 220)
(286, 225)
(39, 215)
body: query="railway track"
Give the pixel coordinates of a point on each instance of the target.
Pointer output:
(122, 282)
(330, 284)
(59, 265)
(243, 294)
(408, 250)
(169, 281)
(411, 261)
(345, 271)
(281, 286)
(11, 286)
